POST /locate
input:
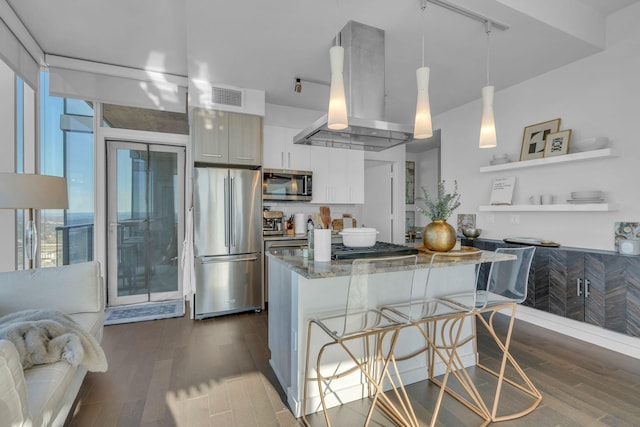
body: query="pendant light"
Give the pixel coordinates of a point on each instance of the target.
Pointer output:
(487, 126)
(422, 128)
(337, 116)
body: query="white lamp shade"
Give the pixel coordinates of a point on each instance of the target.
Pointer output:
(422, 128)
(337, 117)
(28, 191)
(488, 125)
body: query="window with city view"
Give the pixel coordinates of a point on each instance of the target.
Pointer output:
(66, 149)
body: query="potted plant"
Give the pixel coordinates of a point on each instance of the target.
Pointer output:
(439, 235)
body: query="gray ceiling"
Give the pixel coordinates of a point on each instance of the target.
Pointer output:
(266, 44)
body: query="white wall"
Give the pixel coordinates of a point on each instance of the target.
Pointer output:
(397, 157)
(596, 96)
(296, 118)
(427, 176)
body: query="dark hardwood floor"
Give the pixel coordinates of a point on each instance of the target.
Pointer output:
(215, 372)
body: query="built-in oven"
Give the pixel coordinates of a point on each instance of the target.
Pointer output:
(273, 244)
(284, 184)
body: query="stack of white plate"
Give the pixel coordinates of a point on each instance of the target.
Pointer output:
(578, 197)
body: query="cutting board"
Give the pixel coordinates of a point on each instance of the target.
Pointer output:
(462, 252)
(337, 224)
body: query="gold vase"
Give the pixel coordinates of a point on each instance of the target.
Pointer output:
(439, 236)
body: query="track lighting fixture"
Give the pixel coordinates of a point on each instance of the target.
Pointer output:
(297, 88)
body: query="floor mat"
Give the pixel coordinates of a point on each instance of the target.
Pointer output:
(142, 312)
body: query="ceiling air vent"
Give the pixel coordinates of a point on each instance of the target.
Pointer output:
(225, 96)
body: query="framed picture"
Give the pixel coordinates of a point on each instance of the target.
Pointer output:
(624, 231)
(534, 137)
(557, 143)
(466, 221)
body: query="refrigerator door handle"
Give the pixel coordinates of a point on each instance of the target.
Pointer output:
(211, 260)
(232, 213)
(226, 212)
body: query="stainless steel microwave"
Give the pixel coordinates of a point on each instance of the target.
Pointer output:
(284, 184)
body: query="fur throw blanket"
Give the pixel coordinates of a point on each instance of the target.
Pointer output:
(47, 336)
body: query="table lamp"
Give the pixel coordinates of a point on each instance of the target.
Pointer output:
(29, 191)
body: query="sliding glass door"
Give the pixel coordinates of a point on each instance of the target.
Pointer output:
(145, 186)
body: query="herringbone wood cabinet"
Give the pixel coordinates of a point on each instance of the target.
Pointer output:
(598, 287)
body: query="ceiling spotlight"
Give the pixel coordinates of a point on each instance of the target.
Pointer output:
(298, 86)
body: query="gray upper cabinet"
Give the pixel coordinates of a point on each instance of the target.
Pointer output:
(226, 138)
(210, 136)
(245, 139)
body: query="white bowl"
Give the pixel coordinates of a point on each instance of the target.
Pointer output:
(359, 237)
(589, 144)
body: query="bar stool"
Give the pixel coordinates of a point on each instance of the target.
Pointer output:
(359, 330)
(506, 288)
(440, 324)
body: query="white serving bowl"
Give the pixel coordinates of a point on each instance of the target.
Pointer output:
(589, 144)
(359, 237)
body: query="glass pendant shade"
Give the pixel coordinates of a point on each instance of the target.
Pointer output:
(422, 128)
(337, 117)
(488, 125)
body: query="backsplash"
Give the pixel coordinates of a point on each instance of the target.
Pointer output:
(337, 211)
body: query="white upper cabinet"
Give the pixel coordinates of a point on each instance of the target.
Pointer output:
(226, 138)
(281, 153)
(338, 175)
(355, 176)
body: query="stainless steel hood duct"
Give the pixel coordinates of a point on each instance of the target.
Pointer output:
(364, 89)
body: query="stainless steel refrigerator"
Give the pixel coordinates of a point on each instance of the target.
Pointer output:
(227, 239)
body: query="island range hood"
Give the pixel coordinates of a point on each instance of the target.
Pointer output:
(364, 89)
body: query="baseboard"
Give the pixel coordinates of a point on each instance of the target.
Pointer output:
(596, 335)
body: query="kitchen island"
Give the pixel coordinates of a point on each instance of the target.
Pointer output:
(300, 288)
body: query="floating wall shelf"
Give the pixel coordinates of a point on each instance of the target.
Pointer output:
(574, 157)
(588, 207)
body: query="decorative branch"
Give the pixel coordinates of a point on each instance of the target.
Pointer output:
(443, 205)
